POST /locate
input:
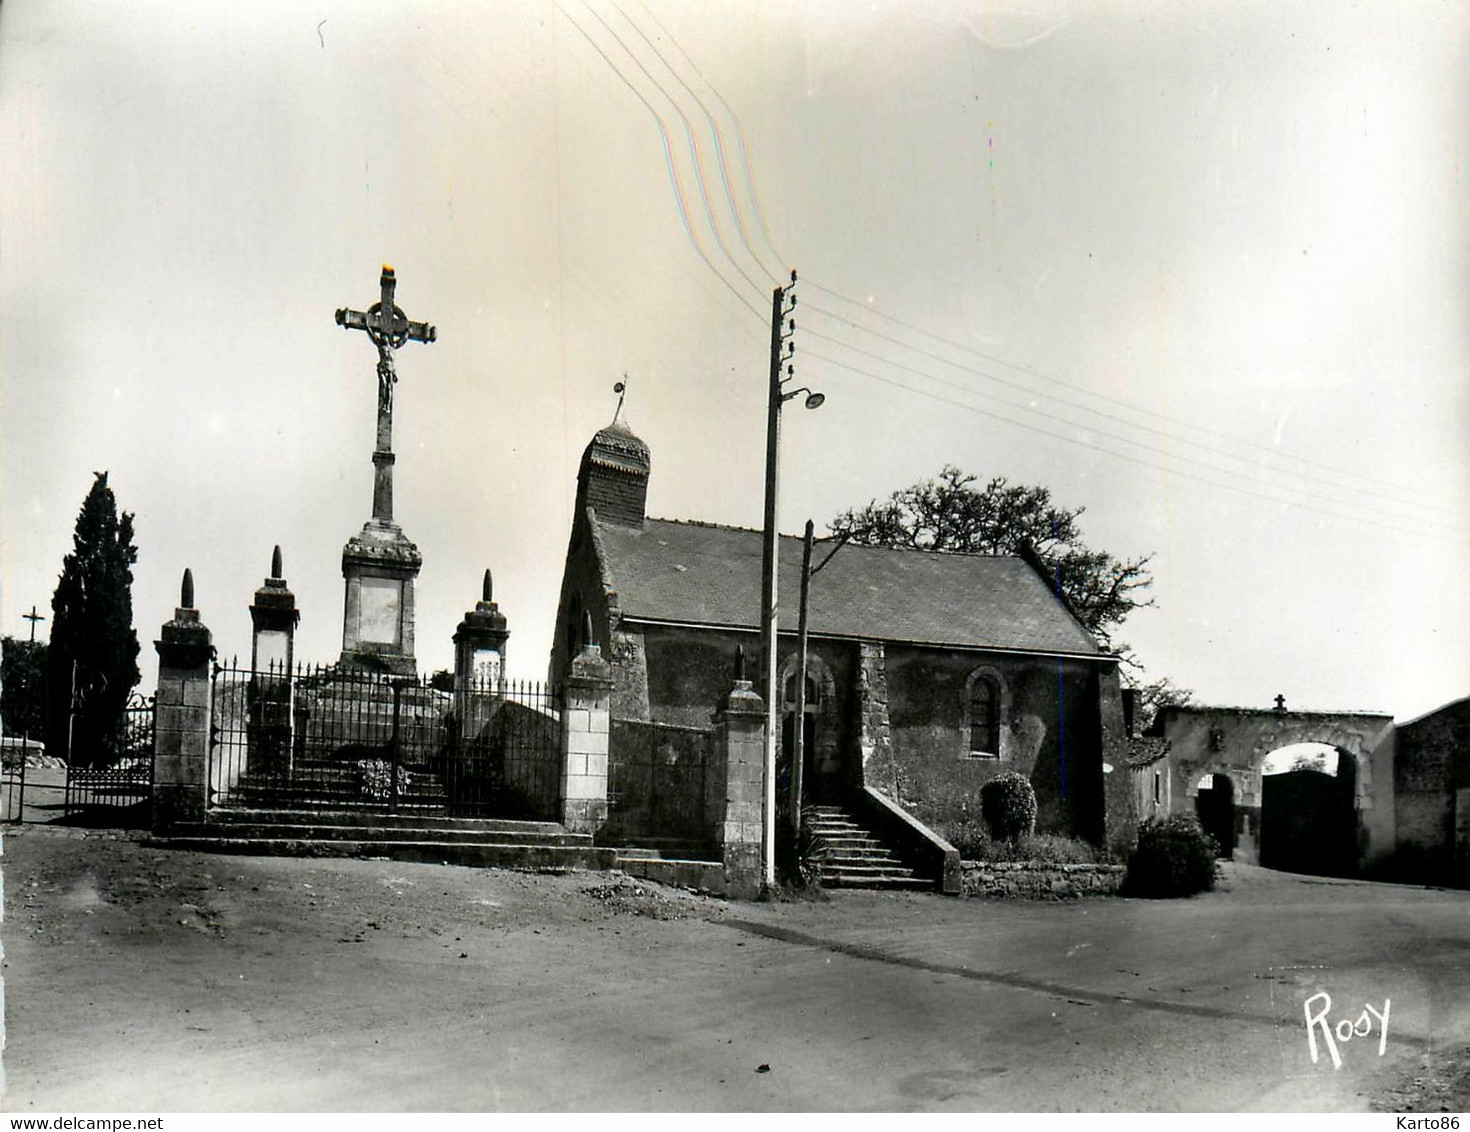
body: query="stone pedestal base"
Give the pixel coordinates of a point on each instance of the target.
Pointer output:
(379, 565)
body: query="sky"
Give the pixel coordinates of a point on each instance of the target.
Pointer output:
(1201, 269)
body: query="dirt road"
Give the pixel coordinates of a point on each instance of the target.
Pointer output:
(148, 980)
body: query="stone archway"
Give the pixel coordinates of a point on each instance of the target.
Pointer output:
(1214, 805)
(821, 774)
(1309, 817)
(1236, 742)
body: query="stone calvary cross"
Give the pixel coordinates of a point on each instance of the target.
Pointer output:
(389, 328)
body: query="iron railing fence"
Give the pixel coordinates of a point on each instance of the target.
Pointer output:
(331, 737)
(506, 751)
(656, 782)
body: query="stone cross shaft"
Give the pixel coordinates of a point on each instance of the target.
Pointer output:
(389, 328)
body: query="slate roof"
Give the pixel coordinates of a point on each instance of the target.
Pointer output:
(701, 574)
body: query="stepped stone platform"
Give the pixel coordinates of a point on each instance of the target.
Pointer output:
(848, 855)
(684, 864)
(482, 842)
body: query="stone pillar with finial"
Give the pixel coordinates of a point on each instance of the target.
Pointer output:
(733, 780)
(479, 644)
(273, 619)
(586, 723)
(181, 717)
(479, 662)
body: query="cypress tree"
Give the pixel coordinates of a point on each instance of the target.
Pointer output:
(93, 658)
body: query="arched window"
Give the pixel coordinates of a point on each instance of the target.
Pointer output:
(984, 718)
(984, 715)
(813, 693)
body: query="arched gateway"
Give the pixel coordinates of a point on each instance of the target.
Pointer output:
(1224, 748)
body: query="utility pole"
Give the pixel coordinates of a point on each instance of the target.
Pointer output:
(776, 396)
(808, 571)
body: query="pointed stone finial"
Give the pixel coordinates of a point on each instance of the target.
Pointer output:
(587, 641)
(186, 590)
(485, 589)
(739, 662)
(276, 562)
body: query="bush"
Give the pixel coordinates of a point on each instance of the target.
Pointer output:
(1008, 805)
(1174, 857)
(974, 844)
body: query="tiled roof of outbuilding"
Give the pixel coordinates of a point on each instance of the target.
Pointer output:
(700, 574)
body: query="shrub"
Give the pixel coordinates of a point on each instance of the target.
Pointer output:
(1008, 805)
(1174, 857)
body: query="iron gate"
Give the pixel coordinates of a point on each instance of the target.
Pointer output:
(13, 779)
(345, 738)
(109, 765)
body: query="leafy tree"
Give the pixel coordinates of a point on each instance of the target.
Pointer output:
(954, 512)
(93, 658)
(23, 686)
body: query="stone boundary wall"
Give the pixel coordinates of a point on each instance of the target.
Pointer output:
(1032, 880)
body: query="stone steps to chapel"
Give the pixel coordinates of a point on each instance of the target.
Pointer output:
(847, 855)
(882, 857)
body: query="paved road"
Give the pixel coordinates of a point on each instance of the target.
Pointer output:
(147, 980)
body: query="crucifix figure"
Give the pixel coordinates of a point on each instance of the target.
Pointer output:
(389, 328)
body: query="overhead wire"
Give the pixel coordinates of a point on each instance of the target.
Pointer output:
(1092, 446)
(1162, 451)
(1269, 450)
(733, 205)
(670, 163)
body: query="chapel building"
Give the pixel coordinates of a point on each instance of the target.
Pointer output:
(928, 673)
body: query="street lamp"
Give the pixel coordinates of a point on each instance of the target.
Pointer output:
(778, 396)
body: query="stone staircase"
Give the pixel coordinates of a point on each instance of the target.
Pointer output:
(848, 855)
(482, 842)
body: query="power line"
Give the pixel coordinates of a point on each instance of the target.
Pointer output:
(679, 192)
(1406, 495)
(1116, 455)
(755, 203)
(689, 137)
(1396, 504)
(719, 139)
(1130, 406)
(1111, 436)
(669, 160)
